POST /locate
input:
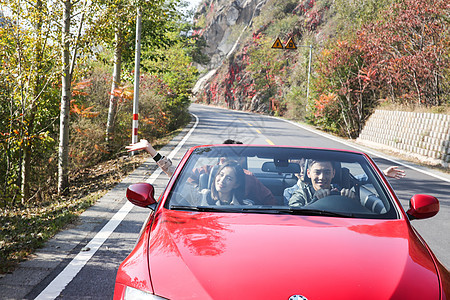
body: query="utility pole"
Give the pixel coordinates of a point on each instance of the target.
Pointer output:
(309, 70)
(290, 45)
(137, 63)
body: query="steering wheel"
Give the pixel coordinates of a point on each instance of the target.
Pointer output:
(335, 202)
(334, 193)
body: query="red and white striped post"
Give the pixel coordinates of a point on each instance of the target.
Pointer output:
(134, 136)
(137, 62)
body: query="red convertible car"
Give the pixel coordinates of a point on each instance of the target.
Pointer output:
(279, 222)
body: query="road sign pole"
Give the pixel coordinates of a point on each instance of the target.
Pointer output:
(309, 74)
(292, 46)
(137, 63)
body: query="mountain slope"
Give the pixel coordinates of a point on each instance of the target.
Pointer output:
(363, 53)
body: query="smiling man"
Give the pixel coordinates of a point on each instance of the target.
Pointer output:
(321, 174)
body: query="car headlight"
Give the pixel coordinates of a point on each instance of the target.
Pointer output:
(135, 294)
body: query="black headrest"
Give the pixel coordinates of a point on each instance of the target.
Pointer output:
(212, 175)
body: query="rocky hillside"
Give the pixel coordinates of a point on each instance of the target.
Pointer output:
(244, 71)
(222, 19)
(364, 53)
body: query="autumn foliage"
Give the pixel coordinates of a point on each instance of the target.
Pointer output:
(254, 77)
(409, 49)
(364, 53)
(402, 58)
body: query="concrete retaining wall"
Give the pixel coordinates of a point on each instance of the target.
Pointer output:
(425, 136)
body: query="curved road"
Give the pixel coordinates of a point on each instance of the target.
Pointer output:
(81, 262)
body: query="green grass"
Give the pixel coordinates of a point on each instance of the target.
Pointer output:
(23, 230)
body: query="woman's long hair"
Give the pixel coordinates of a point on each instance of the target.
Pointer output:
(239, 192)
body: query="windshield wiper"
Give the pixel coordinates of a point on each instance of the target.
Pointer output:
(266, 210)
(314, 212)
(206, 208)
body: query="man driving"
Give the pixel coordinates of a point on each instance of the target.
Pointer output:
(321, 174)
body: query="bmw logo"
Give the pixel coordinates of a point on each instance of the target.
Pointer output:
(297, 297)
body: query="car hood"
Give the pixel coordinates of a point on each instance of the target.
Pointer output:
(196, 255)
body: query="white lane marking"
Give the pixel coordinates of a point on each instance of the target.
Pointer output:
(71, 270)
(366, 151)
(180, 144)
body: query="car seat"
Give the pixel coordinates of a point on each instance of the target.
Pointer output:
(206, 179)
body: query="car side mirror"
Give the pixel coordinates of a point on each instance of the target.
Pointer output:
(142, 194)
(422, 207)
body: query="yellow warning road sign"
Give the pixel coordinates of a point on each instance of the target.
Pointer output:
(290, 44)
(277, 44)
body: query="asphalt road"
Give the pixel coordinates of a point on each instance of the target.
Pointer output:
(81, 262)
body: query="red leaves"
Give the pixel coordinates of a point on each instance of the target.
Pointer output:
(82, 111)
(78, 87)
(324, 103)
(407, 49)
(313, 19)
(123, 93)
(401, 57)
(367, 74)
(100, 149)
(256, 36)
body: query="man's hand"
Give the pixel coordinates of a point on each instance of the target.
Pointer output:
(348, 193)
(394, 172)
(319, 194)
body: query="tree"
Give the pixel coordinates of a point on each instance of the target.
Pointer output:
(402, 57)
(156, 16)
(63, 152)
(41, 43)
(32, 45)
(29, 82)
(409, 49)
(343, 88)
(171, 65)
(68, 66)
(116, 80)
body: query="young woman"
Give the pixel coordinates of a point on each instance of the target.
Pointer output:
(228, 187)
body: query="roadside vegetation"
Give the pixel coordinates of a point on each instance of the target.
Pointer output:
(32, 206)
(24, 229)
(365, 54)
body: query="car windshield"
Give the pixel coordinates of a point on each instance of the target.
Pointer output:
(280, 180)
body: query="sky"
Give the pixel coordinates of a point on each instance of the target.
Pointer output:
(194, 3)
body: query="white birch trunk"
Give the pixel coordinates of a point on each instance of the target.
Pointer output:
(115, 84)
(63, 153)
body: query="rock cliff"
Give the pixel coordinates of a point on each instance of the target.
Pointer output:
(244, 72)
(223, 22)
(223, 18)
